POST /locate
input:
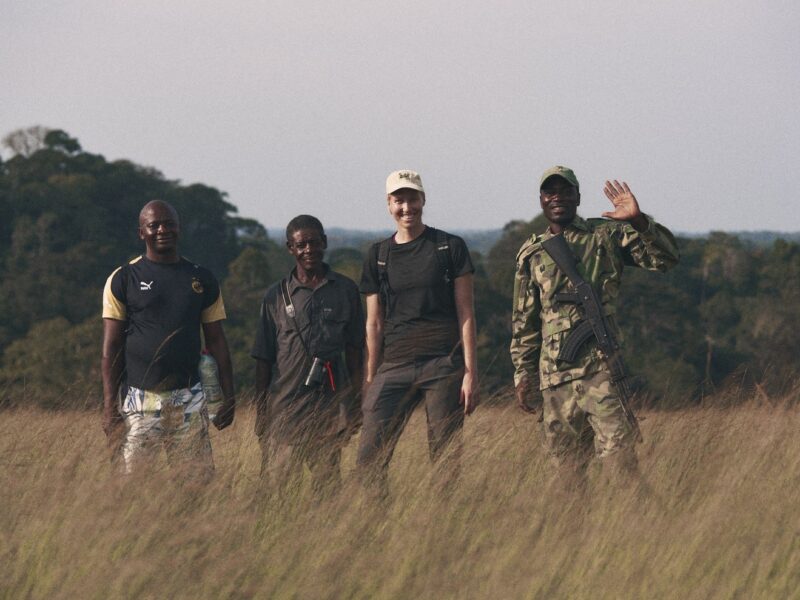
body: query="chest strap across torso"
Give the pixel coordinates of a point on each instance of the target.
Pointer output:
(444, 258)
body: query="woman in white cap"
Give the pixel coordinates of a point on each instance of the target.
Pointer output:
(420, 335)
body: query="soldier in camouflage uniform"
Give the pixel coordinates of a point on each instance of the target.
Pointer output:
(579, 401)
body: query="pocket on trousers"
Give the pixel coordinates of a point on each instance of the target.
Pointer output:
(370, 399)
(450, 365)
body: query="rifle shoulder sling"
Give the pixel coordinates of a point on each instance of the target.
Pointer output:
(558, 249)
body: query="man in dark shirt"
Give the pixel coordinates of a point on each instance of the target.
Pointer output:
(153, 310)
(420, 330)
(309, 348)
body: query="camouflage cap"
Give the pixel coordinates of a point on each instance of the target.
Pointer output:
(404, 179)
(560, 171)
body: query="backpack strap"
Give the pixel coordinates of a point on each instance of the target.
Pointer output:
(444, 256)
(384, 290)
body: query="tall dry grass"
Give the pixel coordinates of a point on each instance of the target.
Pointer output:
(718, 516)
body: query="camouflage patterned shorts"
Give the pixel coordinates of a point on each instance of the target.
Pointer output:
(176, 420)
(581, 411)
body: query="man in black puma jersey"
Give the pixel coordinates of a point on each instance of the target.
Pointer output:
(153, 310)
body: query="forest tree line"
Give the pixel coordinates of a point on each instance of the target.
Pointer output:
(68, 218)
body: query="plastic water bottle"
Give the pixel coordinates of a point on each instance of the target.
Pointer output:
(209, 379)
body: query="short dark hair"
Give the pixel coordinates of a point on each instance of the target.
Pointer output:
(303, 222)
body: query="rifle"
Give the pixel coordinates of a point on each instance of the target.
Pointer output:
(593, 323)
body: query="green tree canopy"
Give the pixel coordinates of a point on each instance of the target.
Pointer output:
(68, 218)
(71, 217)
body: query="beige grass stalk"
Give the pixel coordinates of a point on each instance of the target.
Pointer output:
(718, 518)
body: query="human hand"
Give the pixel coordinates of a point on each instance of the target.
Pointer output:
(470, 394)
(224, 416)
(626, 208)
(528, 398)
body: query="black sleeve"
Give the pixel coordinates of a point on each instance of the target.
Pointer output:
(462, 263)
(265, 345)
(369, 274)
(210, 288)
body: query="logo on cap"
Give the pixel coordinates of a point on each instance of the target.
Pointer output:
(404, 179)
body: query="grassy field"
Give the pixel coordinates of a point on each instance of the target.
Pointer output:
(718, 516)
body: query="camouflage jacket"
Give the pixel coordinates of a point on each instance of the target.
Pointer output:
(540, 324)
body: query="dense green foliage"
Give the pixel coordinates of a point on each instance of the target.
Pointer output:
(725, 314)
(69, 217)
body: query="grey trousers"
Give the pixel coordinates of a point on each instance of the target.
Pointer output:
(397, 389)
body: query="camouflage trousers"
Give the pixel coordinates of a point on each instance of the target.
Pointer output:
(175, 420)
(582, 413)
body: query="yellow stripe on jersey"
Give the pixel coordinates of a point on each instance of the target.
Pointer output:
(112, 307)
(215, 312)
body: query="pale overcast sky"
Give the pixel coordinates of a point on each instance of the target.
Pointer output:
(304, 107)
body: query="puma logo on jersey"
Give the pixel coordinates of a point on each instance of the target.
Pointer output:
(145, 286)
